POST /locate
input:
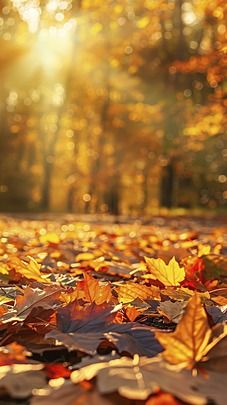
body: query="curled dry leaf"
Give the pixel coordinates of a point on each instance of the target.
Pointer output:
(170, 274)
(172, 310)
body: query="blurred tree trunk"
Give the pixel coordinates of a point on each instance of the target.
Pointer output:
(145, 187)
(45, 199)
(167, 183)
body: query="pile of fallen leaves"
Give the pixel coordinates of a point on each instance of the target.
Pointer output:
(112, 314)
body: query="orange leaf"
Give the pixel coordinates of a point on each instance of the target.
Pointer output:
(92, 291)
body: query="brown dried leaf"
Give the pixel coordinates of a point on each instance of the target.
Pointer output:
(138, 378)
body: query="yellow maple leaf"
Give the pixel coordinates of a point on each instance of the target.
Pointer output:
(30, 270)
(170, 274)
(187, 345)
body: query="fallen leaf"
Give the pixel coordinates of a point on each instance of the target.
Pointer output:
(30, 270)
(172, 310)
(138, 378)
(129, 292)
(170, 274)
(186, 346)
(30, 299)
(4, 299)
(91, 290)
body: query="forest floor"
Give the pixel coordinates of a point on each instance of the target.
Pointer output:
(104, 310)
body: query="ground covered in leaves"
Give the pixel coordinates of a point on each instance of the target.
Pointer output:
(101, 313)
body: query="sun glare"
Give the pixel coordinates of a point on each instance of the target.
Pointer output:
(52, 43)
(29, 12)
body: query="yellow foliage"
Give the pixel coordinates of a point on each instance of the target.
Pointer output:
(30, 270)
(170, 274)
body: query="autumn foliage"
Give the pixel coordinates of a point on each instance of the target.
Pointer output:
(112, 313)
(113, 106)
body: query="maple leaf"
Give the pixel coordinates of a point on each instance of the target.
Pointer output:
(128, 292)
(92, 291)
(132, 313)
(30, 299)
(194, 270)
(89, 317)
(30, 270)
(57, 370)
(186, 346)
(84, 328)
(170, 274)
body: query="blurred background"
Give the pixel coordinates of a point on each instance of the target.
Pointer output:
(113, 106)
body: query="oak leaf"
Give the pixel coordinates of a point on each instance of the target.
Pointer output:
(170, 274)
